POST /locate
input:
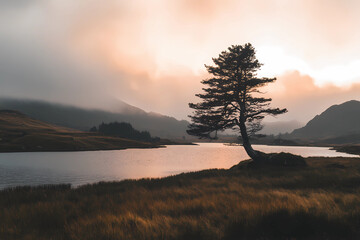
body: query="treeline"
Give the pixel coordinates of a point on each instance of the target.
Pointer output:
(124, 130)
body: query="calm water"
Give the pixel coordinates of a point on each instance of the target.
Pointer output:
(80, 168)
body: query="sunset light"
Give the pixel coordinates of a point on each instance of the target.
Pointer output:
(167, 43)
(179, 119)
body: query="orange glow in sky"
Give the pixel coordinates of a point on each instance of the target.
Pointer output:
(153, 52)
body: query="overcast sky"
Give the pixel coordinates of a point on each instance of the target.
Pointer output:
(151, 53)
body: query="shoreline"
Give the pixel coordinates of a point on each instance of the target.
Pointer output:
(316, 202)
(149, 146)
(232, 168)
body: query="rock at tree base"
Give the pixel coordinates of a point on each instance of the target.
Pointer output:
(273, 160)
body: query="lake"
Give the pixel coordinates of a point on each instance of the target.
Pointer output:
(78, 168)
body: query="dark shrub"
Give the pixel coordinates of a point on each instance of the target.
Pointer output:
(283, 224)
(274, 160)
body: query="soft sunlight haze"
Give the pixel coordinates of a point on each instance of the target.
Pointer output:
(151, 54)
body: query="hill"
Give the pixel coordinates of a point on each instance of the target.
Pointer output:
(339, 124)
(83, 119)
(280, 127)
(20, 133)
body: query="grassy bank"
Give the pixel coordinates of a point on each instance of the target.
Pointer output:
(351, 148)
(20, 133)
(321, 201)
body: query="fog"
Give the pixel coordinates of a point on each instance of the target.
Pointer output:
(151, 54)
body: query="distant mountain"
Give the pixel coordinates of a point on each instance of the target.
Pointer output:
(20, 133)
(338, 124)
(280, 127)
(83, 119)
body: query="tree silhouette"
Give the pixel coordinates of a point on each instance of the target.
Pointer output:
(124, 130)
(232, 99)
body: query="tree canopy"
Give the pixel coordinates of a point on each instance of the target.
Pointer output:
(232, 99)
(124, 130)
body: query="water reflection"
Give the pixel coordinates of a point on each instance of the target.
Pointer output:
(80, 168)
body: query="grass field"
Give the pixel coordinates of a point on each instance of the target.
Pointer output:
(350, 148)
(321, 201)
(20, 133)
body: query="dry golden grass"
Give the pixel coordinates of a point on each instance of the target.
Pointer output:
(321, 201)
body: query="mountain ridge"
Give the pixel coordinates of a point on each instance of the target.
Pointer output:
(83, 119)
(336, 122)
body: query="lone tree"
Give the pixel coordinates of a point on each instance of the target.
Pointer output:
(231, 99)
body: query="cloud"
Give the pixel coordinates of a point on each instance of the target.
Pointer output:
(9, 4)
(89, 55)
(30, 69)
(151, 53)
(304, 99)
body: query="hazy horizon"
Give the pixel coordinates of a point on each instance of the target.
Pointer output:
(151, 54)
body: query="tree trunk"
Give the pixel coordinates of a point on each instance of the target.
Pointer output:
(246, 142)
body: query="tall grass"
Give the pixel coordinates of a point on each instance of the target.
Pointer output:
(321, 201)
